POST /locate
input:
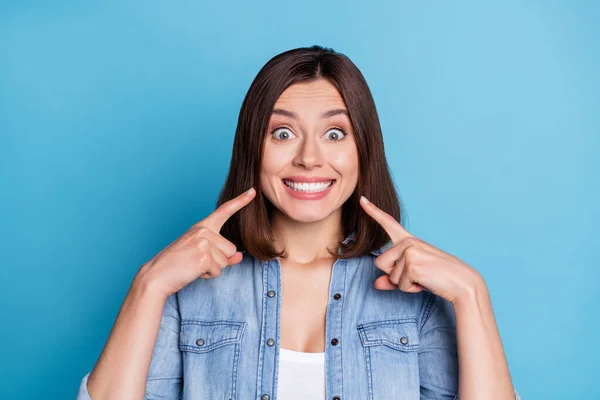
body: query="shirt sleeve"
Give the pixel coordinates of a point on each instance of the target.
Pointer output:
(83, 393)
(438, 352)
(165, 374)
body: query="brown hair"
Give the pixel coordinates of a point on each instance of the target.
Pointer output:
(250, 229)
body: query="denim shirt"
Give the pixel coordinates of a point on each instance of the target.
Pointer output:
(219, 338)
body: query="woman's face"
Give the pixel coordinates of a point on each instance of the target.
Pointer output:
(309, 137)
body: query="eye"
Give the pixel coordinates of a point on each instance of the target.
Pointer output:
(336, 134)
(284, 136)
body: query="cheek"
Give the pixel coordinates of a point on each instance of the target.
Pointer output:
(277, 157)
(345, 162)
(273, 162)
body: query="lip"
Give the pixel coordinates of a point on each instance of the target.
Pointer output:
(308, 196)
(308, 179)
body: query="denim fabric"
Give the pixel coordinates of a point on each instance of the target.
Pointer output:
(213, 341)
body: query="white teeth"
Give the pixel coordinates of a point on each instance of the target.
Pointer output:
(308, 187)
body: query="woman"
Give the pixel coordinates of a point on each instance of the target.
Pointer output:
(303, 290)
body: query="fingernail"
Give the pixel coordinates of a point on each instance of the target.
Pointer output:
(364, 199)
(250, 191)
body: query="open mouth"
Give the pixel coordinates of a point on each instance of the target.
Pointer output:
(308, 187)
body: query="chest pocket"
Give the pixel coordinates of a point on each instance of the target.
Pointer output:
(211, 351)
(391, 355)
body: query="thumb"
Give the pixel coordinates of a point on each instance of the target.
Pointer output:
(236, 258)
(384, 283)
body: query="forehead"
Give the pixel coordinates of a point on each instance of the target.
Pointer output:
(316, 94)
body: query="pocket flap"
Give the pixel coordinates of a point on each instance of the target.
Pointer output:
(400, 334)
(203, 336)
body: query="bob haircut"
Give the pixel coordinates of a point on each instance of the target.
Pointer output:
(250, 229)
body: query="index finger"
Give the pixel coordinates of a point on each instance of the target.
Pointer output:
(389, 224)
(217, 219)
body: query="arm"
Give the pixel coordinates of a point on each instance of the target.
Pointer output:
(141, 355)
(454, 352)
(413, 265)
(483, 369)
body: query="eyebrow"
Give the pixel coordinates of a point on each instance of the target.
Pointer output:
(326, 114)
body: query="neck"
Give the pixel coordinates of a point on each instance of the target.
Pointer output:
(307, 242)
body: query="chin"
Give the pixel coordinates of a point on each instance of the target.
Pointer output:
(304, 219)
(307, 215)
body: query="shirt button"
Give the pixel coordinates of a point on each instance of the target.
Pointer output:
(200, 342)
(336, 398)
(403, 340)
(337, 296)
(264, 397)
(334, 341)
(271, 293)
(270, 342)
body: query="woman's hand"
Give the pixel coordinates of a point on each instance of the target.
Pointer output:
(201, 252)
(412, 264)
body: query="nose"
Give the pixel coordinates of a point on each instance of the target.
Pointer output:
(309, 154)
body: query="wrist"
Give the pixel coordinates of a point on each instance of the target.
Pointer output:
(143, 283)
(472, 293)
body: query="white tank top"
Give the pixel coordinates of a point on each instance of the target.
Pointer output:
(301, 375)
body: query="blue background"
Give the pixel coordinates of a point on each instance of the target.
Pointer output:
(117, 122)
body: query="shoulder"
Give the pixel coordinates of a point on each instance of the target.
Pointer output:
(232, 278)
(426, 307)
(363, 273)
(436, 312)
(431, 306)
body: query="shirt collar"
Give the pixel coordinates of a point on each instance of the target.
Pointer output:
(375, 252)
